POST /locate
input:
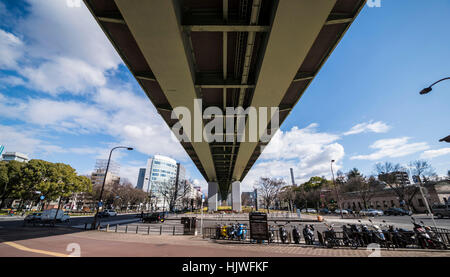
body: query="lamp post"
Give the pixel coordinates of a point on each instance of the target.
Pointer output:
(94, 223)
(428, 90)
(335, 189)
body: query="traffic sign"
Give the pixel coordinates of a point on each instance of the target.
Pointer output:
(42, 197)
(100, 204)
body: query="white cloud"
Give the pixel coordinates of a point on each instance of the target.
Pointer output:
(11, 81)
(375, 127)
(306, 150)
(128, 118)
(64, 75)
(430, 154)
(63, 50)
(10, 50)
(392, 148)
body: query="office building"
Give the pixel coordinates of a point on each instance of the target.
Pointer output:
(15, 156)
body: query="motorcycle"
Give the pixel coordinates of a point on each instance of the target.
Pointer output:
(308, 234)
(296, 235)
(378, 235)
(436, 241)
(224, 232)
(330, 237)
(283, 234)
(423, 239)
(271, 234)
(241, 232)
(348, 238)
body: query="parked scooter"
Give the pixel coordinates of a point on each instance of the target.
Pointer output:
(241, 232)
(283, 234)
(308, 234)
(423, 239)
(271, 233)
(436, 241)
(296, 235)
(348, 237)
(378, 235)
(330, 237)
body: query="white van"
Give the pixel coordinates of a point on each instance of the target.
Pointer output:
(50, 215)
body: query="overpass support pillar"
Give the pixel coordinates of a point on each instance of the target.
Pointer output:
(236, 196)
(213, 189)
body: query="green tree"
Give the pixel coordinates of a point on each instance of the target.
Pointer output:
(10, 179)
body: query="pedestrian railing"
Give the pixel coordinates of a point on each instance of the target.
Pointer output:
(146, 229)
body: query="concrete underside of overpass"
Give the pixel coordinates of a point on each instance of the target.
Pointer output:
(228, 53)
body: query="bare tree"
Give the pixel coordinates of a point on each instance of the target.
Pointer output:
(422, 169)
(288, 194)
(269, 188)
(403, 190)
(173, 192)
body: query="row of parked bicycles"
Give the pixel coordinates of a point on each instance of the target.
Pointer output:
(352, 235)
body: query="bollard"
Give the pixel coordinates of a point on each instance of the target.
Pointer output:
(126, 229)
(148, 230)
(107, 227)
(160, 230)
(137, 229)
(98, 227)
(174, 230)
(116, 227)
(85, 226)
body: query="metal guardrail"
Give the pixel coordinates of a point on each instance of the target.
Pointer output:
(144, 229)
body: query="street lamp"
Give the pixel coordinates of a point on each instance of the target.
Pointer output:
(427, 90)
(94, 223)
(430, 88)
(335, 189)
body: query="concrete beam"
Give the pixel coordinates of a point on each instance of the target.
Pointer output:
(287, 48)
(163, 46)
(225, 28)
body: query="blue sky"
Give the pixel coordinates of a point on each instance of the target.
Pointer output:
(65, 95)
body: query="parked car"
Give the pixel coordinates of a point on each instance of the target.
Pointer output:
(111, 212)
(324, 211)
(338, 211)
(397, 211)
(309, 210)
(370, 212)
(350, 211)
(33, 217)
(441, 210)
(51, 214)
(154, 217)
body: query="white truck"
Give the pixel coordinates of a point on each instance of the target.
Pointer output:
(49, 215)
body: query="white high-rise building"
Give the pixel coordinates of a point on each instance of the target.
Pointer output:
(161, 170)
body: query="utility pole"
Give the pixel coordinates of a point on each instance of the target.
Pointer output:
(335, 188)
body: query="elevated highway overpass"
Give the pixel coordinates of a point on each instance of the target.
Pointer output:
(228, 53)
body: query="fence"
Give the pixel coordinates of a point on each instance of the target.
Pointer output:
(145, 229)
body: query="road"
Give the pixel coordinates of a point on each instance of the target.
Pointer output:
(75, 221)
